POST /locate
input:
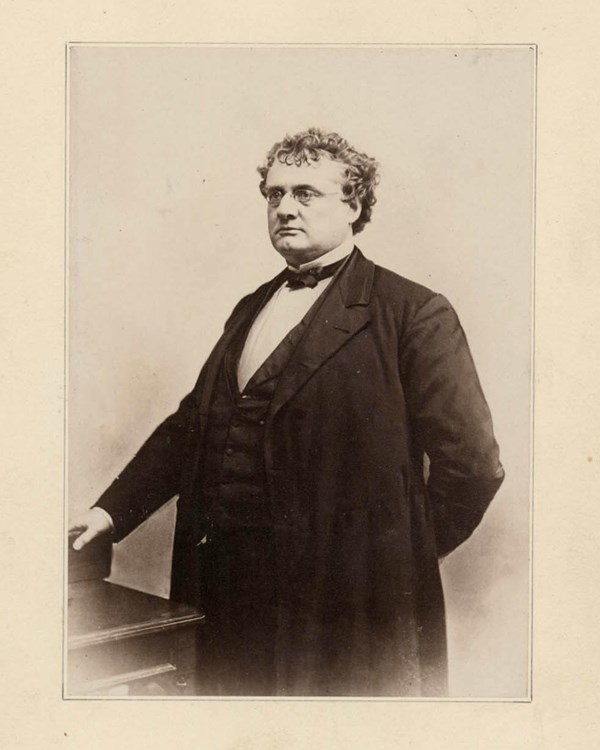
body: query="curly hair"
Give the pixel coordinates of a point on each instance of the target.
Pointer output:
(310, 145)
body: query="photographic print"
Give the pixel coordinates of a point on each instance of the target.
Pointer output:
(299, 342)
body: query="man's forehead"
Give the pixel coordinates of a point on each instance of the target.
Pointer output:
(312, 173)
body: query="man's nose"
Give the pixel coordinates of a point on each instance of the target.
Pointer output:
(287, 206)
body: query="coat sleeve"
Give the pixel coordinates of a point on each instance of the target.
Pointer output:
(154, 474)
(450, 421)
(152, 477)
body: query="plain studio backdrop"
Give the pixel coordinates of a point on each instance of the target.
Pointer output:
(167, 230)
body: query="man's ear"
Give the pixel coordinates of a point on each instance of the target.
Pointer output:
(354, 212)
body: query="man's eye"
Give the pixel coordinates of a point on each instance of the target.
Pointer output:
(275, 196)
(304, 195)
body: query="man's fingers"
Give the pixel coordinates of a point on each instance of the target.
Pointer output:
(88, 526)
(83, 539)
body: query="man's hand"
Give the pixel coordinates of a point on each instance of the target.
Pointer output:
(88, 526)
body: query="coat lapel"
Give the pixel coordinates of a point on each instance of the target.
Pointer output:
(235, 325)
(343, 313)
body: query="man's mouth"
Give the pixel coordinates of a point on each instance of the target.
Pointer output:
(289, 230)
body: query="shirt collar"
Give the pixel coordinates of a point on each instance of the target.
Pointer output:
(341, 251)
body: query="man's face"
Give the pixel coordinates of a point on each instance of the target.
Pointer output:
(306, 214)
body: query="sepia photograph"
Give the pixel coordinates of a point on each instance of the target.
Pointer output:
(299, 294)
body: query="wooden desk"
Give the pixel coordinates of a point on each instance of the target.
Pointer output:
(125, 642)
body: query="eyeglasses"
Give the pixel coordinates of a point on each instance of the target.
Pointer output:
(305, 196)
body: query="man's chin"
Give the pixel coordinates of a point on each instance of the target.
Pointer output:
(290, 247)
(291, 240)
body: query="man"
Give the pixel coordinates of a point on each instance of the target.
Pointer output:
(305, 526)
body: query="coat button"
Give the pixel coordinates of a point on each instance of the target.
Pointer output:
(229, 451)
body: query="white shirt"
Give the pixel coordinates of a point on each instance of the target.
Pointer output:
(284, 311)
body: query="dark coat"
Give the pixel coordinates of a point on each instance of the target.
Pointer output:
(382, 377)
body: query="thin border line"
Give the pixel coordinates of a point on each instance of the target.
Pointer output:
(66, 371)
(349, 45)
(282, 45)
(532, 314)
(292, 699)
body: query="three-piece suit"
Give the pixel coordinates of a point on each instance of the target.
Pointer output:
(308, 525)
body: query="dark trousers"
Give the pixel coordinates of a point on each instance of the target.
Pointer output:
(236, 654)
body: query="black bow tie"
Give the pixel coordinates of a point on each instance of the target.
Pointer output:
(311, 277)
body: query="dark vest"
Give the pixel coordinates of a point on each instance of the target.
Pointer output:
(234, 482)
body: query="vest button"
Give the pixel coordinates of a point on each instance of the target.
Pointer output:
(229, 451)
